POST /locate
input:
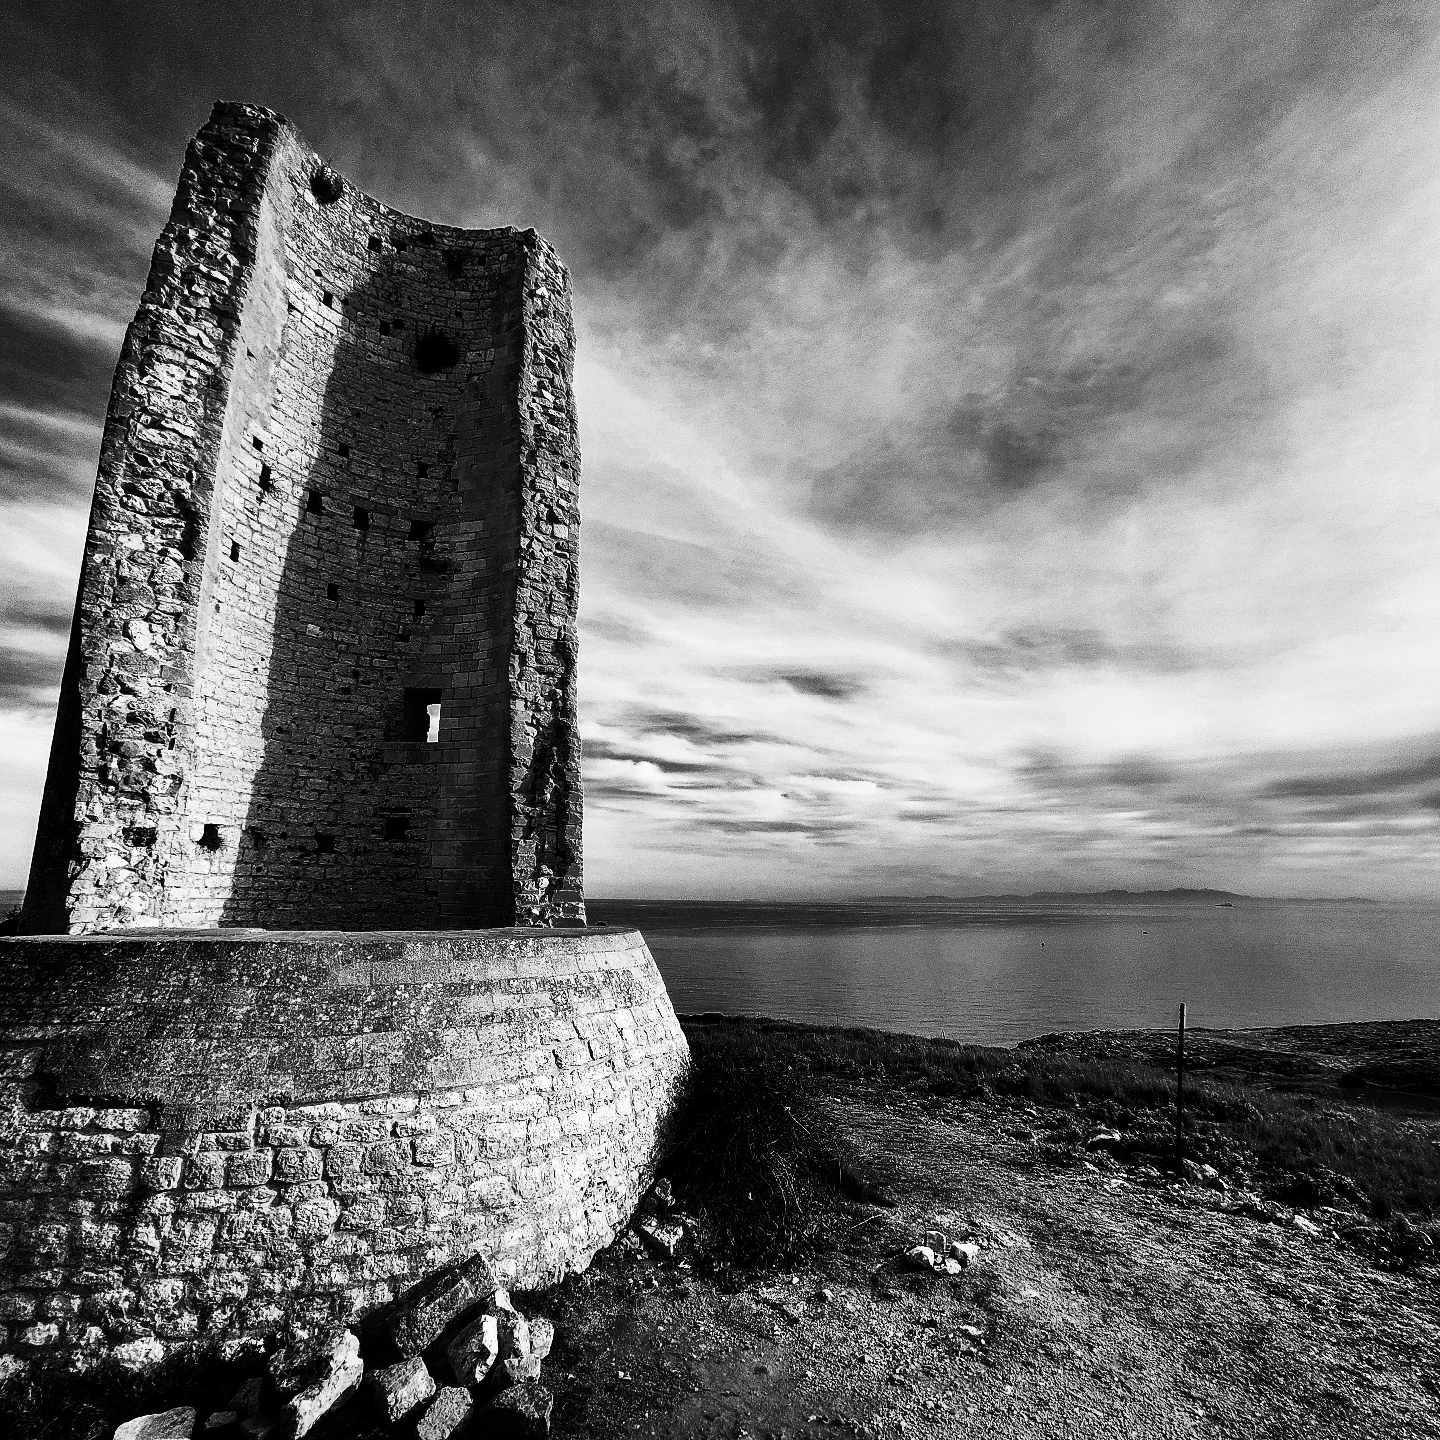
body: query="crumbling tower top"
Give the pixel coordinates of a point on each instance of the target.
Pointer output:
(322, 669)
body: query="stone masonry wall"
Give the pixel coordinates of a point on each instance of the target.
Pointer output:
(339, 482)
(314, 1122)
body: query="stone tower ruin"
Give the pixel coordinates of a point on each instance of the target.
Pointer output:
(322, 669)
(294, 1026)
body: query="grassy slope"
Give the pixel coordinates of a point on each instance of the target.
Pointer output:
(750, 1148)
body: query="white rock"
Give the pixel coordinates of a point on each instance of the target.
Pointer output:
(922, 1257)
(663, 1237)
(341, 1370)
(139, 1354)
(542, 1336)
(964, 1252)
(176, 1424)
(475, 1349)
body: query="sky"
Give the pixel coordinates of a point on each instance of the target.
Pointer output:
(1009, 429)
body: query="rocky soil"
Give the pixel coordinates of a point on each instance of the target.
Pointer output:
(1106, 1300)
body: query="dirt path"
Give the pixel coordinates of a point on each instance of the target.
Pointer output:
(1100, 1308)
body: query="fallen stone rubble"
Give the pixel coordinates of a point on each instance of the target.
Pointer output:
(453, 1357)
(944, 1256)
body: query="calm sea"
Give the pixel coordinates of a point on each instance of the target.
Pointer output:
(999, 973)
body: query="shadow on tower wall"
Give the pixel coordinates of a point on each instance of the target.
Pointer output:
(395, 591)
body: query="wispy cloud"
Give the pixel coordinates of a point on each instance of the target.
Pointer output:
(1008, 428)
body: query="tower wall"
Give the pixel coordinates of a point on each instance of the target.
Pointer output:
(338, 483)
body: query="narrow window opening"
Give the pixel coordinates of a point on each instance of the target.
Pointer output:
(328, 298)
(422, 469)
(325, 844)
(267, 481)
(376, 244)
(315, 503)
(343, 450)
(423, 531)
(234, 549)
(422, 715)
(258, 838)
(210, 838)
(419, 610)
(362, 518)
(332, 592)
(384, 327)
(396, 828)
(257, 442)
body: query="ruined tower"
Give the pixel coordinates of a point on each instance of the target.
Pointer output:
(315, 762)
(322, 669)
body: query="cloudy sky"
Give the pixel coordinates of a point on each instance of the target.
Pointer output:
(1009, 429)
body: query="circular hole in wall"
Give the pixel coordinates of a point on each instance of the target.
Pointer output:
(435, 351)
(326, 186)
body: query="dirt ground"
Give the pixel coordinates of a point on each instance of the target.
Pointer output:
(1104, 1304)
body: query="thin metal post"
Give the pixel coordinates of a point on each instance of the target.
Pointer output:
(1180, 1094)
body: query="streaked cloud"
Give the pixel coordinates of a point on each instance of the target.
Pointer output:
(1009, 429)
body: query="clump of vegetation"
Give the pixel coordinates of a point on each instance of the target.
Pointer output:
(743, 1150)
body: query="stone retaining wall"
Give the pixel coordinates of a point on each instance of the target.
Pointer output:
(226, 1135)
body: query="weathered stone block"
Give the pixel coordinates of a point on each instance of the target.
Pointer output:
(176, 1424)
(312, 1377)
(400, 1388)
(520, 1413)
(446, 1415)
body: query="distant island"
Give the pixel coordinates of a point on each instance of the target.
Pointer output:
(1175, 895)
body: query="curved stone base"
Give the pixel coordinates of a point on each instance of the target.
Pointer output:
(224, 1135)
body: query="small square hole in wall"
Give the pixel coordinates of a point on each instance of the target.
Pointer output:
(327, 298)
(324, 844)
(422, 530)
(343, 450)
(210, 838)
(267, 481)
(396, 828)
(257, 442)
(362, 518)
(315, 503)
(422, 715)
(422, 469)
(376, 244)
(234, 549)
(258, 838)
(418, 611)
(384, 327)
(332, 592)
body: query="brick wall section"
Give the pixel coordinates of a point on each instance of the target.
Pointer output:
(122, 736)
(302, 513)
(313, 1123)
